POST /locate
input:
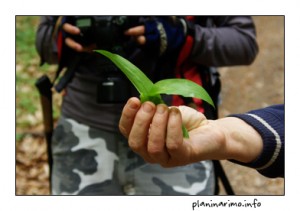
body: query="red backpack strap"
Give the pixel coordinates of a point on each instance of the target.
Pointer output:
(58, 36)
(185, 52)
(188, 71)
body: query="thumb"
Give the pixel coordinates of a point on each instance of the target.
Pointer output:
(191, 118)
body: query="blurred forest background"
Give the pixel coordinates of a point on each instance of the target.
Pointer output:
(243, 88)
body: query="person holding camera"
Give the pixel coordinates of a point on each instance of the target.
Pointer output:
(90, 155)
(254, 139)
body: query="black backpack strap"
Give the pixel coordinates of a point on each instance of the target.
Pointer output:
(220, 174)
(67, 77)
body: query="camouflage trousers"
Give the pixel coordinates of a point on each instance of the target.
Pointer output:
(89, 161)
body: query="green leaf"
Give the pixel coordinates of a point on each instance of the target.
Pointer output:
(141, 82)
(185, 132)
(182, 87)
(151, 92)
(156, 99)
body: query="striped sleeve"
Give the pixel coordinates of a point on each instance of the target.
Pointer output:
(269, 123)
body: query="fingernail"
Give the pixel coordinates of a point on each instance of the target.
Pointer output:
(147, 107)
(133, 105)
(174, 112)
(160, 109)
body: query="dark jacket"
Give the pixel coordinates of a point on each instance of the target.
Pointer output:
(269, 123)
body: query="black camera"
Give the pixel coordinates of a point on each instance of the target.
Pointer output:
(113, 90)
(107, 32)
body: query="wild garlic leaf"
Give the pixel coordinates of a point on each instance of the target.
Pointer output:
(141, 82)
(183, 87)
(151, 92)
(185, 132)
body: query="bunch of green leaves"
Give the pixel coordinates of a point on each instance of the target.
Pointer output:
(150, 91)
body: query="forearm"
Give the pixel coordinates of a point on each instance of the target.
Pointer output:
(269, 123)
(254, 139)
(242, 142)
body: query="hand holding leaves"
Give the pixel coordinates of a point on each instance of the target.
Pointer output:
(151, 92)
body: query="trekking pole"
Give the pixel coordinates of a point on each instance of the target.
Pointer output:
(44, 86)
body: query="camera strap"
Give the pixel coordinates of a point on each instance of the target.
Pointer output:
(67, 77)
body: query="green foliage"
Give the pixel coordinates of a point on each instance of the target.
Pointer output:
(28, 69)
(19, 136)
(151, 92)
(25, 38)
(26, 63)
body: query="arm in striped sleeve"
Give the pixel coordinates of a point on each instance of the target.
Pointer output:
(269, 123)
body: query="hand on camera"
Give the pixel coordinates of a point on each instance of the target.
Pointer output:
(160, 35)
(71, 43)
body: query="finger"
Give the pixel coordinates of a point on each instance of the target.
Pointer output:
(156, 143)
(69, 28)
(127, 118)
(135, 31)
(139, 132)
(174, 136)
(74, 45)
(192, 118)
(141, 40)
